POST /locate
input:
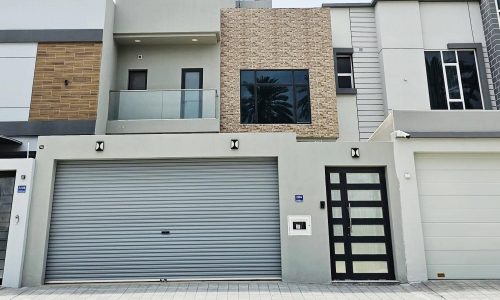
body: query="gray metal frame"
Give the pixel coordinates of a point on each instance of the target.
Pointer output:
(51, 35)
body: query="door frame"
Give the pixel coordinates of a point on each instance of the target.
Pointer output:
(389, 256)
(183, 87)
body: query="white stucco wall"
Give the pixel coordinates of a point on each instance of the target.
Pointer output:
(17, 62)
(52, 14)
(446, 22)
(341, 28)
(347, 111)
(401, 54)
(19, 216)
(108, 69)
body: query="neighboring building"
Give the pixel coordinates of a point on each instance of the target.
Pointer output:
(50, 55)
(408, 76)
(224, 140)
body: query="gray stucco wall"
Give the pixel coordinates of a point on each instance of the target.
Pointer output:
(108, 69)
(492, 34)
(301, 167)
(177, 16)
(165, 62)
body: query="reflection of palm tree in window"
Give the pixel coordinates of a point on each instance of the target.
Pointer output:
(248, 104)
(273, 102)
(303, 104)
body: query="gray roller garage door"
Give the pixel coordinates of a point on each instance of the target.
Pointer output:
(168, 219)
(460, 205)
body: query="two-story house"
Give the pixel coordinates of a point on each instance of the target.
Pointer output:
(226, 140)
(418, 74)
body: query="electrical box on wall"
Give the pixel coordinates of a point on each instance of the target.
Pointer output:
(299, 225)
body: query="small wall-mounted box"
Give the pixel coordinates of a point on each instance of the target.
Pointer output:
(299, 225)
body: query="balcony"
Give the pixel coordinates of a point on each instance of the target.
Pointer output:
(163, 111)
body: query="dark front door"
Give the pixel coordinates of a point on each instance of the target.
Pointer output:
(7, 180)
(192, 96)
(358, 217)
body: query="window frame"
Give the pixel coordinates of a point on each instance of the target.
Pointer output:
(350, 75)
(344, 52)
(292, 85)
(456, 64)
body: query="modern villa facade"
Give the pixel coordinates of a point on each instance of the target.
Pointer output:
(227, 140)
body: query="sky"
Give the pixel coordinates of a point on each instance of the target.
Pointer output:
(308, 3)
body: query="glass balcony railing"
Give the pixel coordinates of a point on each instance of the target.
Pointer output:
(163, 105)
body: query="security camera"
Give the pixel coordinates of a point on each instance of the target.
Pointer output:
(402, 134)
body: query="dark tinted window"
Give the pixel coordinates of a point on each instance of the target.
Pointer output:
(453, 85)
(470, 80)
(247, 77)
(344, 64)
(301, 77)
(303, 104)
(273, 77)
(435, 80)
(247, 104)
(456, 105)
(345, 82)
(276, 97)
(137, 79)
(449, 57)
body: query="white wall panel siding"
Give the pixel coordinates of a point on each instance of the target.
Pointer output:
(367, 75)
(17, 83)
(53, 14)
(460, 214)
(107, 218)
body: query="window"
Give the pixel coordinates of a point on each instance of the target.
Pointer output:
(275, 97)
(453, 80)
(345, 77)
(137, 79)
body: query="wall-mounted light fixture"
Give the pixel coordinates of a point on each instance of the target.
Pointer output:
(99, 146)
(235, 144)
(66, 82)
(355, 153)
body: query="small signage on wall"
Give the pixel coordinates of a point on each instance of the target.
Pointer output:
(21, 189)
(299, 198)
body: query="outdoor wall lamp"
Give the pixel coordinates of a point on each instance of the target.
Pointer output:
(355, 153)
(99, 146)
(235, 144)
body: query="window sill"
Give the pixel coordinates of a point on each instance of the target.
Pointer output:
(343, 91)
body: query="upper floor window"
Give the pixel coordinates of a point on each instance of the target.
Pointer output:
(345, 76)
(275, 97)
(138, 79)
(453, 80)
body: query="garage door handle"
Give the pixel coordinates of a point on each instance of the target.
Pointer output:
(165, 232)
